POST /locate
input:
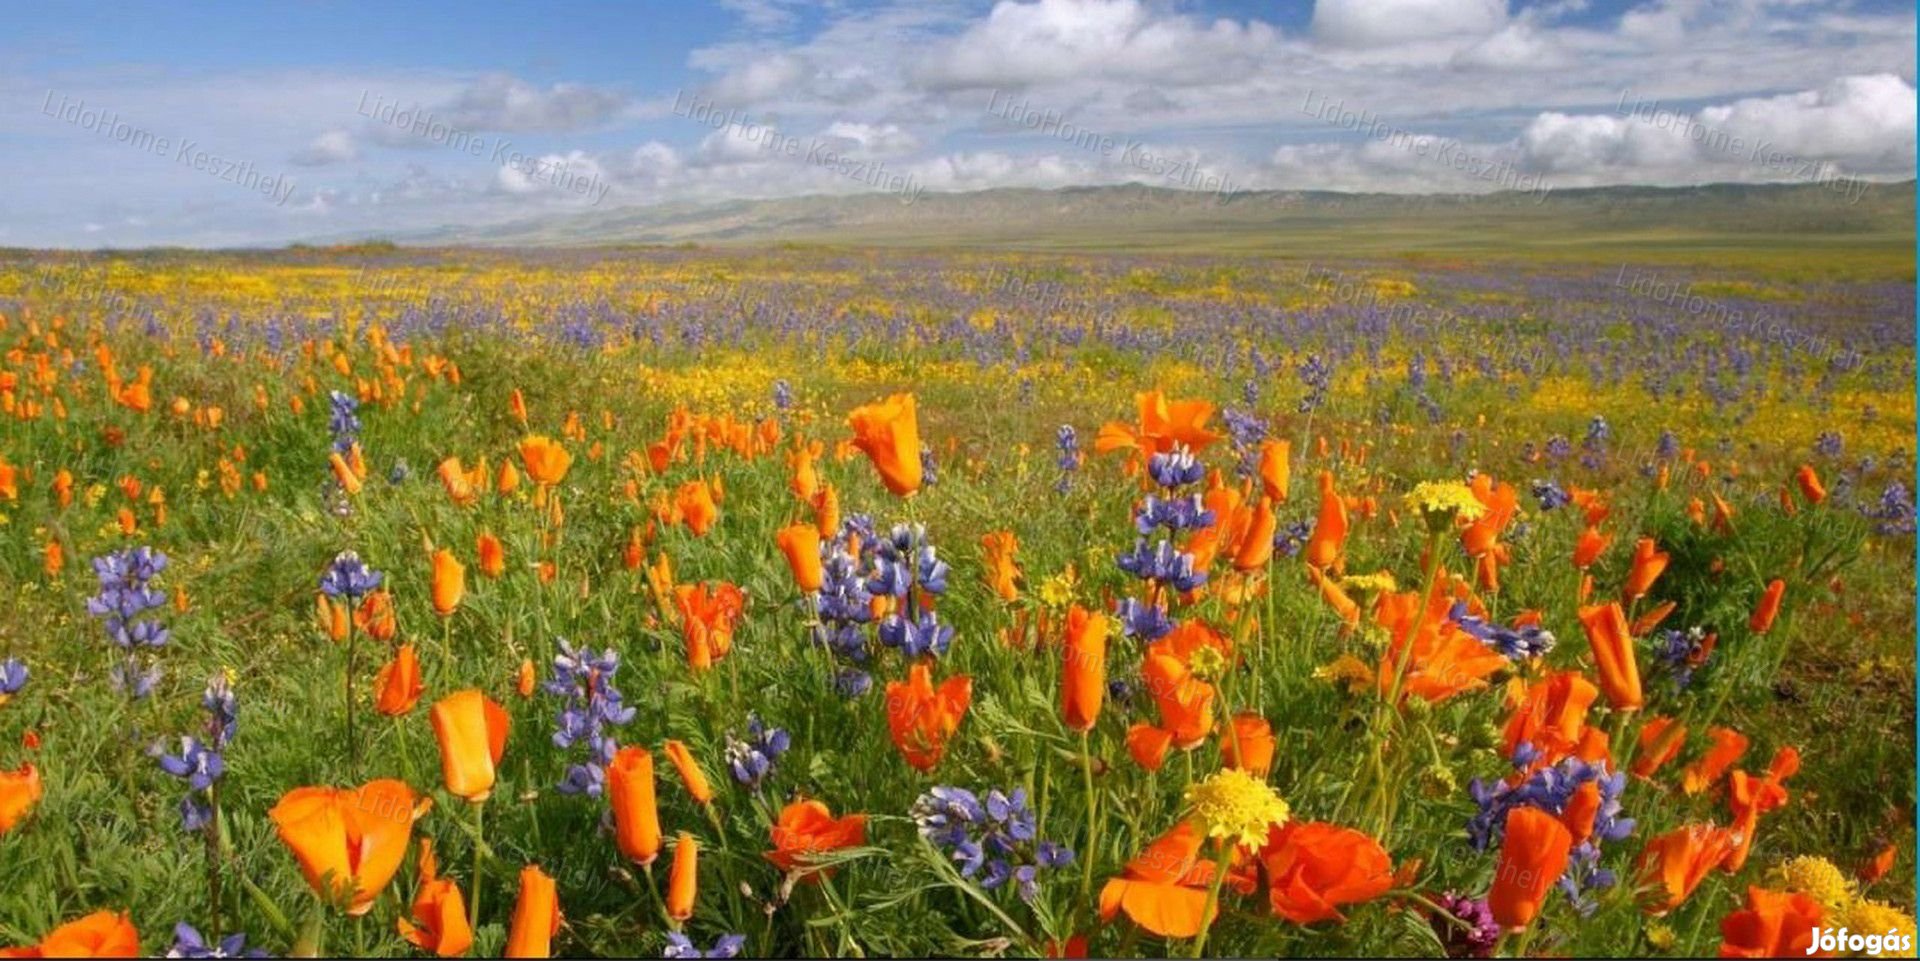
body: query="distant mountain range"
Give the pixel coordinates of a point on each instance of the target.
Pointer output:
(1134, 217)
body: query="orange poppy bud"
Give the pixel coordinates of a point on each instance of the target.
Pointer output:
(376, 616)
(349, 841)
(333, 616)
(1248, 744)
(801, 545)
(683, 880)
(636, 814)
(888, 432)
(1330, 530)
(1660, 740)
(1871, 871)
(525, 679)
(1587, 549)
(1810, 486)
(1612, 642)
(536, 916)
(343, 473)
(1336, 597)
(55, 558)
(1083, 674)
(439, 920)
(1728, 746)
(472, 731)
(1648, 563)
(1769, 607)
(1148, 745)
(546, 460)
(1003, 575)
(1774, 924)
(1652, 618)
(1533, 855)
(1256, 542)
(506, 480)
(517, 405)
(691, 776)
(695, 504)
(397, 688)
(826, 511)
(1313, 867)
(1275, 469)
(449, 582)
(493, 555)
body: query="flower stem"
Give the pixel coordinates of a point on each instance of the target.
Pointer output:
(1213, 900)
(1093, 819)
(479, 823)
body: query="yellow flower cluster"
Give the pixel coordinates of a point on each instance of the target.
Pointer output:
(1237, 807)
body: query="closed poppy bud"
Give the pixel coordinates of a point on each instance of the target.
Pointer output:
(536, 916)
(1648, 563)
(493, 556)
(1581, 810)
(1810, 486)
(55, 558)
(1612, 642)
(1148, 745)
(1248, 744)
(1003, 575)
(1533, 855)
(1769, 607)
(517, 405)
(1660, 741)
(826, 511)
(690, 773)
(472, 731)
(343, 473)
(888, 432)
(1083, 676)
(507, 479)
(376, 616)
(1275, 470)
(683, 880)
(636, 815)
(1330, 529)
(333, 617)
(524, 679)
(439, 920)
(449, 582)
(1587, 549)
(801, 545)
(1256, 544)
(397, 688)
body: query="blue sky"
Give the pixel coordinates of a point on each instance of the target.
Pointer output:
(264, 108)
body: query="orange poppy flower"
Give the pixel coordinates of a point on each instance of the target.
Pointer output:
(1774, 924)
(536, 916)
(683, 880)
(546, 460)
(334, 617)
(1750, 797)
(1336, 597)
(1612, 643)
(492, 554)
(449, 582)
(1164, 889)
(1769, 607)
(806, 829)
(1185, 702)
(1551, 715)
(1675, 863)
(1648, 563)
(636, 813)
(376, 616)
(20, 790)
(1659, 742)
(1148, 745)
(1502, 502)
(524, 678)
(1248, 744)
(801, 545)
(803, 478)
(1533, 855)
(439, 922)
(1876, 867)
(1083, 671)
(1162, 424)
(1433, 658)
(343, 473)
(1728, 745)
(1255, 540)
(397, 688)
(102, 934)
(695, 504)
(921, 718)
(1275, 469)
(1313, 867)
(349, 841)
(507, 479)
(826, 510)
(472, 731)
(1003, 575)
(708, 614)
(1587, 549)
(888, 432)
(1329, 535)
(463, 486)
(691, 776)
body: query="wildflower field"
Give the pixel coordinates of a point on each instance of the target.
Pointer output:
(882, 603)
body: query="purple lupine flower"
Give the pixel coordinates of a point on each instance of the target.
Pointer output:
(1317, 377)
(343, 419)
(916, 638)
(726, 946)
(126, 594)
(782, 394)
(994, 839)
(1176, 468)
(1550, 496)
(13, 677)
(1680, 653)
(1482, 933)
(199, 762)
(1550, 789)
(752, 759)
(1068, 441)
(1164, 563)
(1145, 622)
(1290, 538)
(590, 708)
(1173, 513)
(1828, 444)
(188, 942)
(349, 577)
(1513, 643)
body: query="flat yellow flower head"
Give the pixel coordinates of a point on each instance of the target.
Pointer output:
(1444, 502)
(1817, 878)
(1236, 807)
